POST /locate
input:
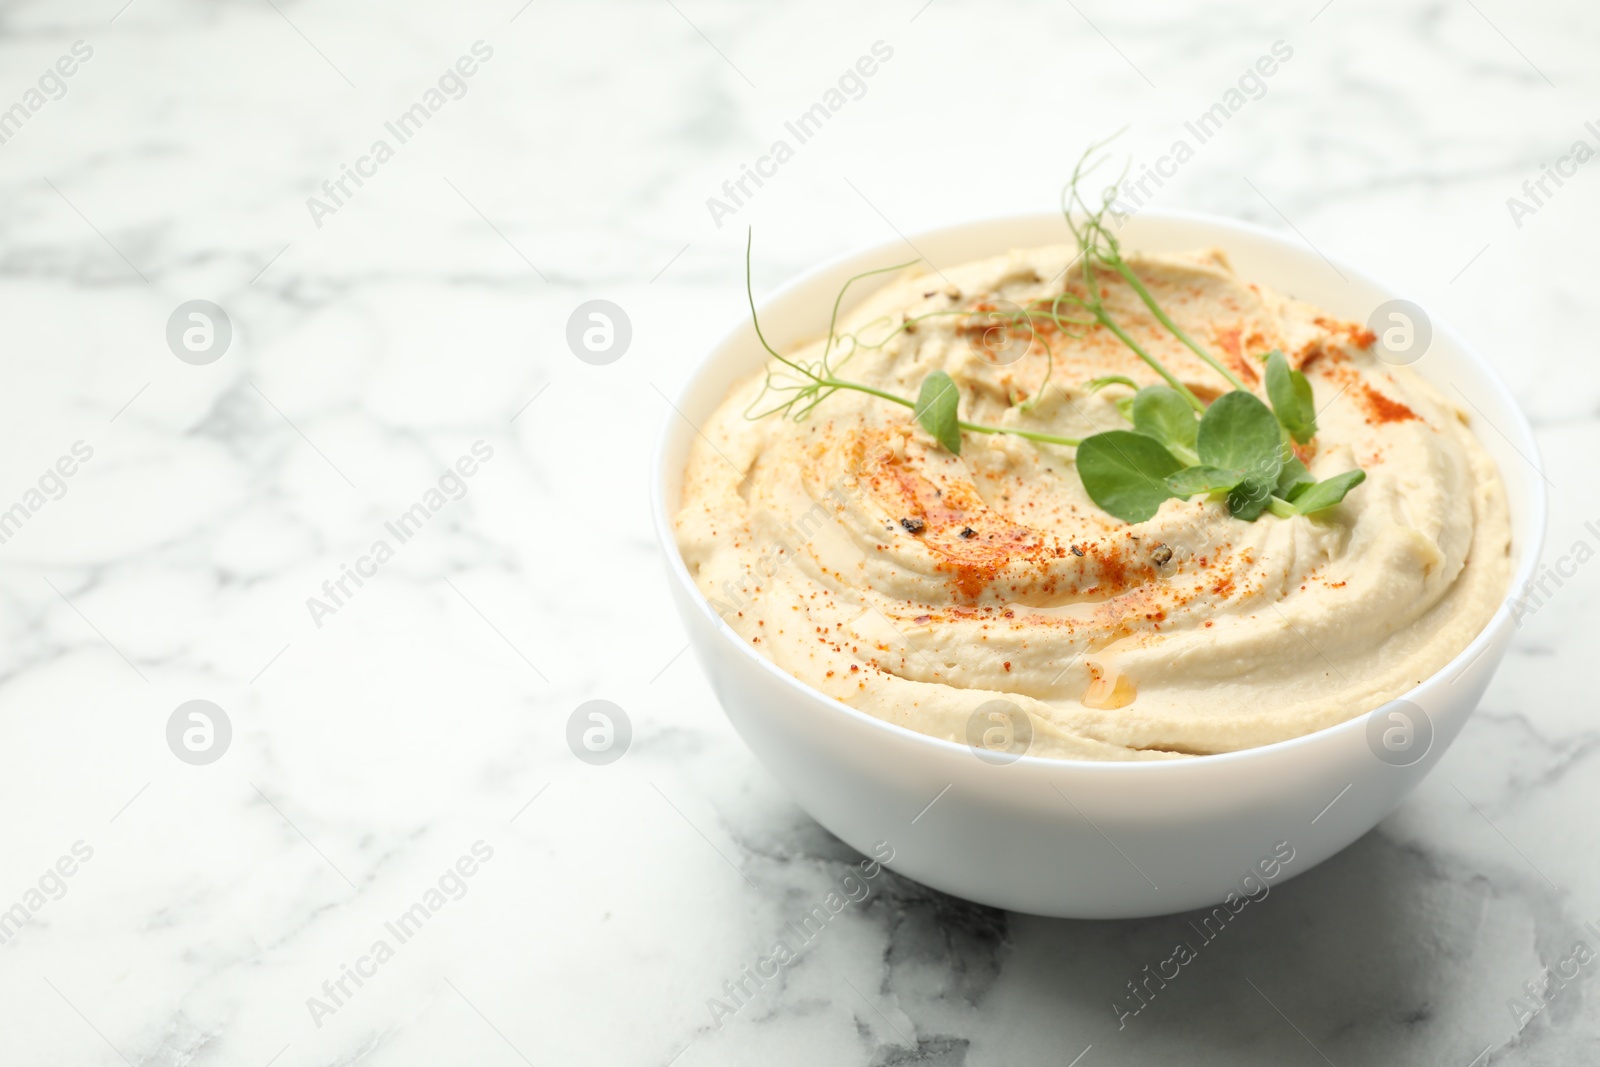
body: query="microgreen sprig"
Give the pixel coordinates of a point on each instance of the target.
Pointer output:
(1236, 449)
(935, 408)
(1098, 245)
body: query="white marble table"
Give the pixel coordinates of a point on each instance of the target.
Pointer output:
(212, 911)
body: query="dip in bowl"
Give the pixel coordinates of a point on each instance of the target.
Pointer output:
(1043, 706)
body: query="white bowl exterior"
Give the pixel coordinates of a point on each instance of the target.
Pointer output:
(1065, 837)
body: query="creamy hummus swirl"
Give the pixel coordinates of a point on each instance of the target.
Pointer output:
(919, 586)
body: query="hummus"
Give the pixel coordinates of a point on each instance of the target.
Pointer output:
(921, 586)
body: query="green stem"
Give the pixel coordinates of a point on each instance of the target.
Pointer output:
(1132, 279)
(835, 383)
(1171, 379)
(834, 319)
(1096, 307)
(1189, 456)
(1049, 439)
(973, 427)
(1282, 508)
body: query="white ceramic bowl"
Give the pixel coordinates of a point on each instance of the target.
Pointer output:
(1076, 838)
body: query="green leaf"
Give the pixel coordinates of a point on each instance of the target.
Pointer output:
(1191, 480)
(1094, 385)
(1125, 473)
(1248, 499)
(936, 410)
(1239, 432)
(1164, 414)
(1327, 493)
(1294, 479)
(1291, 398)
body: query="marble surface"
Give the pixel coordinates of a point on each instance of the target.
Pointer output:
(419, 723)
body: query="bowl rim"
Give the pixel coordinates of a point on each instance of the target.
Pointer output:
(1532, 525)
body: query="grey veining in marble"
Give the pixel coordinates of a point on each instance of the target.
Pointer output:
(214, 913)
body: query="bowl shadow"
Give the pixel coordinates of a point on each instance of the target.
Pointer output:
(1373, 956)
